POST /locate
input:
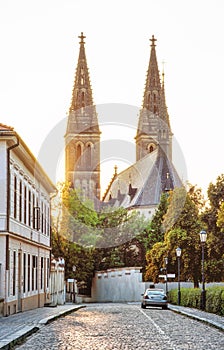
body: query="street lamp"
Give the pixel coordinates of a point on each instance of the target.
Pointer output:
(203, 237)
(178, 253)
(166, 263)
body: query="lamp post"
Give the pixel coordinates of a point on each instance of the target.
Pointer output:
(166, 263)
(203, 237)
(178, 253)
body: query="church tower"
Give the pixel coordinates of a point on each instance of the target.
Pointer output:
(153, 125)
(82, 138)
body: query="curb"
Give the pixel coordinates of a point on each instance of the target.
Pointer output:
(198, 318)
(19, 337)
(49, 319)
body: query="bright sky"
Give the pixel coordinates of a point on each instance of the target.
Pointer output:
(39, 53)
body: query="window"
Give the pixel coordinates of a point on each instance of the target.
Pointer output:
(20, 200)
(14, 274)
(25, 204)
(78, 153)
(41, 273)
(42, 217)
(24, 273)
(28, 273)
(83, 99)
(15, 197)
(48, 271)
(48, 221)
(36, 218)
(34, 266)
(45, 220)
(29, 208)
(88, 156)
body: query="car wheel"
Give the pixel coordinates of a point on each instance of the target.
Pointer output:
(143, 306)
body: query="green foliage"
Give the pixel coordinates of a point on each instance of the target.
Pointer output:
(214, 302)
(93, 240)
(213, 218)
(175, 207)
(191, 297)
(182, 224)
(154, 258)
(155, 230)
(220, 220)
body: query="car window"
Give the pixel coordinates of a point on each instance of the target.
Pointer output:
(156, 292)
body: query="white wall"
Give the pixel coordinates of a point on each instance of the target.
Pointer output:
(118, 285)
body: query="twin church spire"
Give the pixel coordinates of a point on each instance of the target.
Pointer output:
(82, 138)
(83, 135)
(153, 125)
(82, 91)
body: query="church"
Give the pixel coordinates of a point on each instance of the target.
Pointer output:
(139, 187)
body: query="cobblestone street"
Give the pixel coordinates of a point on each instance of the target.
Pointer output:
(125, 326)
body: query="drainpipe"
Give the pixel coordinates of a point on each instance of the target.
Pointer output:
(8, 193)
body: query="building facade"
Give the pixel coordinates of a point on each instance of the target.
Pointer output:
(25, 228)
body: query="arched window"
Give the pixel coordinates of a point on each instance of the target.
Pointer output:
(83, 98)
(151, 149)
(78, 153)
(88, 156)
(149, 99)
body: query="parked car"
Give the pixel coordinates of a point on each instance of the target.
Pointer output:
(154, 297)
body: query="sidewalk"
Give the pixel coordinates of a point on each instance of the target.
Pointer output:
(207, 317)
(18, 326)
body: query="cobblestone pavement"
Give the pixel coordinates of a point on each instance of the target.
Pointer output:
(126, 327)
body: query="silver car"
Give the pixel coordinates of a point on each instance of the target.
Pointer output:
(154, 297)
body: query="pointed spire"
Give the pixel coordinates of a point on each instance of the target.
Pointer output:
(153, 124)
(163, 113)
(82, 111)
(82, 91)
(152, 86)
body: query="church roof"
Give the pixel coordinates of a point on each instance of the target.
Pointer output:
(142, 184)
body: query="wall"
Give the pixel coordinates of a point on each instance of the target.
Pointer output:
(57, 284)
(118, 285)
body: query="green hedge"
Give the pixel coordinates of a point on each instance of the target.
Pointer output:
(191, 297)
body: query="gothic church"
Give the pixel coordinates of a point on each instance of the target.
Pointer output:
(138, 187)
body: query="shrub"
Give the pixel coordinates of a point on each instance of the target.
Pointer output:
(191, 297)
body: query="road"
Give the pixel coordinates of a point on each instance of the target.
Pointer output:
(126, 327)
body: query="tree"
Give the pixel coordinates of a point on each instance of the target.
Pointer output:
(182, 226)
(93, 240)
(155, 231)
(213, 218)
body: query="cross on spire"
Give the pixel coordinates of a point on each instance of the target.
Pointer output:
(82, 37)
(153, 41)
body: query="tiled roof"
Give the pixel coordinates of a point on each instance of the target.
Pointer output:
(142, 183)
